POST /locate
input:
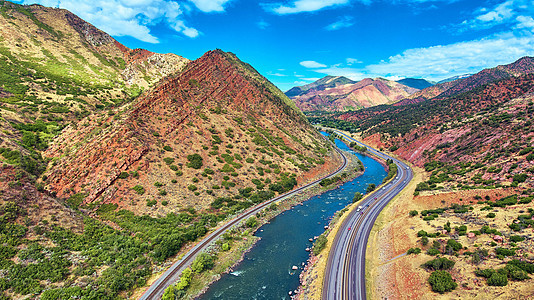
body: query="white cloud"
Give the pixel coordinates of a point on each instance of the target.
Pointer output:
(352, 61)
(526, 22)
(262, 24)
(134, 17)
(343, 22)
(299, 6)
(276, 74)
(501, 12)
(506, 13)
(443, 61)
(210, 5)
(312, 64)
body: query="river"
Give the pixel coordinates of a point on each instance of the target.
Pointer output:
(266, 271)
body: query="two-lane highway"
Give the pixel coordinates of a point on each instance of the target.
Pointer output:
(155, 291)
(345, 270)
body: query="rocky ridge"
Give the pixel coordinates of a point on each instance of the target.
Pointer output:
(217, 103)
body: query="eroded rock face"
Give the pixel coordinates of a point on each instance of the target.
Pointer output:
(217, 107)
(93, 35)
(145, 68)
(365, 93)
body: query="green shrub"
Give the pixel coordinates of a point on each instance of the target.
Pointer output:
(195, 161)
(440, 263)
(357, 197)
(516, 238)
(124, 175)
(441, 282)
(251, 222)
(486, 273)
(413, 213)
(504, 251)
(167, 148)
(456, 246)
(497, 279)
(192, 187)
(168, 160)
(203, 262)
(140, 190)
(414, 251)
(320, 244)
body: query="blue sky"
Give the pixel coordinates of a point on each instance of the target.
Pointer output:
(294, 42)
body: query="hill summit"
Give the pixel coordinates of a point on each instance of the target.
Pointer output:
(215, 130)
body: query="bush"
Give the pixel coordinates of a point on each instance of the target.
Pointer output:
(195, 161)
(124, 175)
(441, 282)
(251, 222)
(357, 197)
(413, 213)
(497, 279)
(454, 245)
(441, 263)
(167, 148)
(371, 187)
(319, 244)
(422, 233)
(490, 215)
(139, 189)
(185, 279)
(414, 251)
(192, 187)
(485, 273)
(203, 262)
(516, 238)
(504, 251)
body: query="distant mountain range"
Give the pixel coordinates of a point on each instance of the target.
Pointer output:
(475, 134)
(319, 85)
(416, 83)
(342, 94)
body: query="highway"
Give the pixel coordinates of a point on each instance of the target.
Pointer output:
(156, 290)
(345, 269)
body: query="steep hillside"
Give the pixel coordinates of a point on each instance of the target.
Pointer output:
(57, 67)
(482, 138)
(319, 85)
(416, 83)
(365, 93)
(464, 83)
(218, 135)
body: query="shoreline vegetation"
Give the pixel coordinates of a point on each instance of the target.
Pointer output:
(241, 239)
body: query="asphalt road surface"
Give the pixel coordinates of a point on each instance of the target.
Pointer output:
(156, 290)
(345, 269)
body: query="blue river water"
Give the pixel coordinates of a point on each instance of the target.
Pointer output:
(266, 271)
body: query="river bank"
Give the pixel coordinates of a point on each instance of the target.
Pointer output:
(243, 238)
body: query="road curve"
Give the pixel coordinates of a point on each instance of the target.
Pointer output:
(345, 269)
(155, 291)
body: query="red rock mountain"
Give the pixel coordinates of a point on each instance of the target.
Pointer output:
(482, 138)
(352, 96)
(218, 112)
(520, 67)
